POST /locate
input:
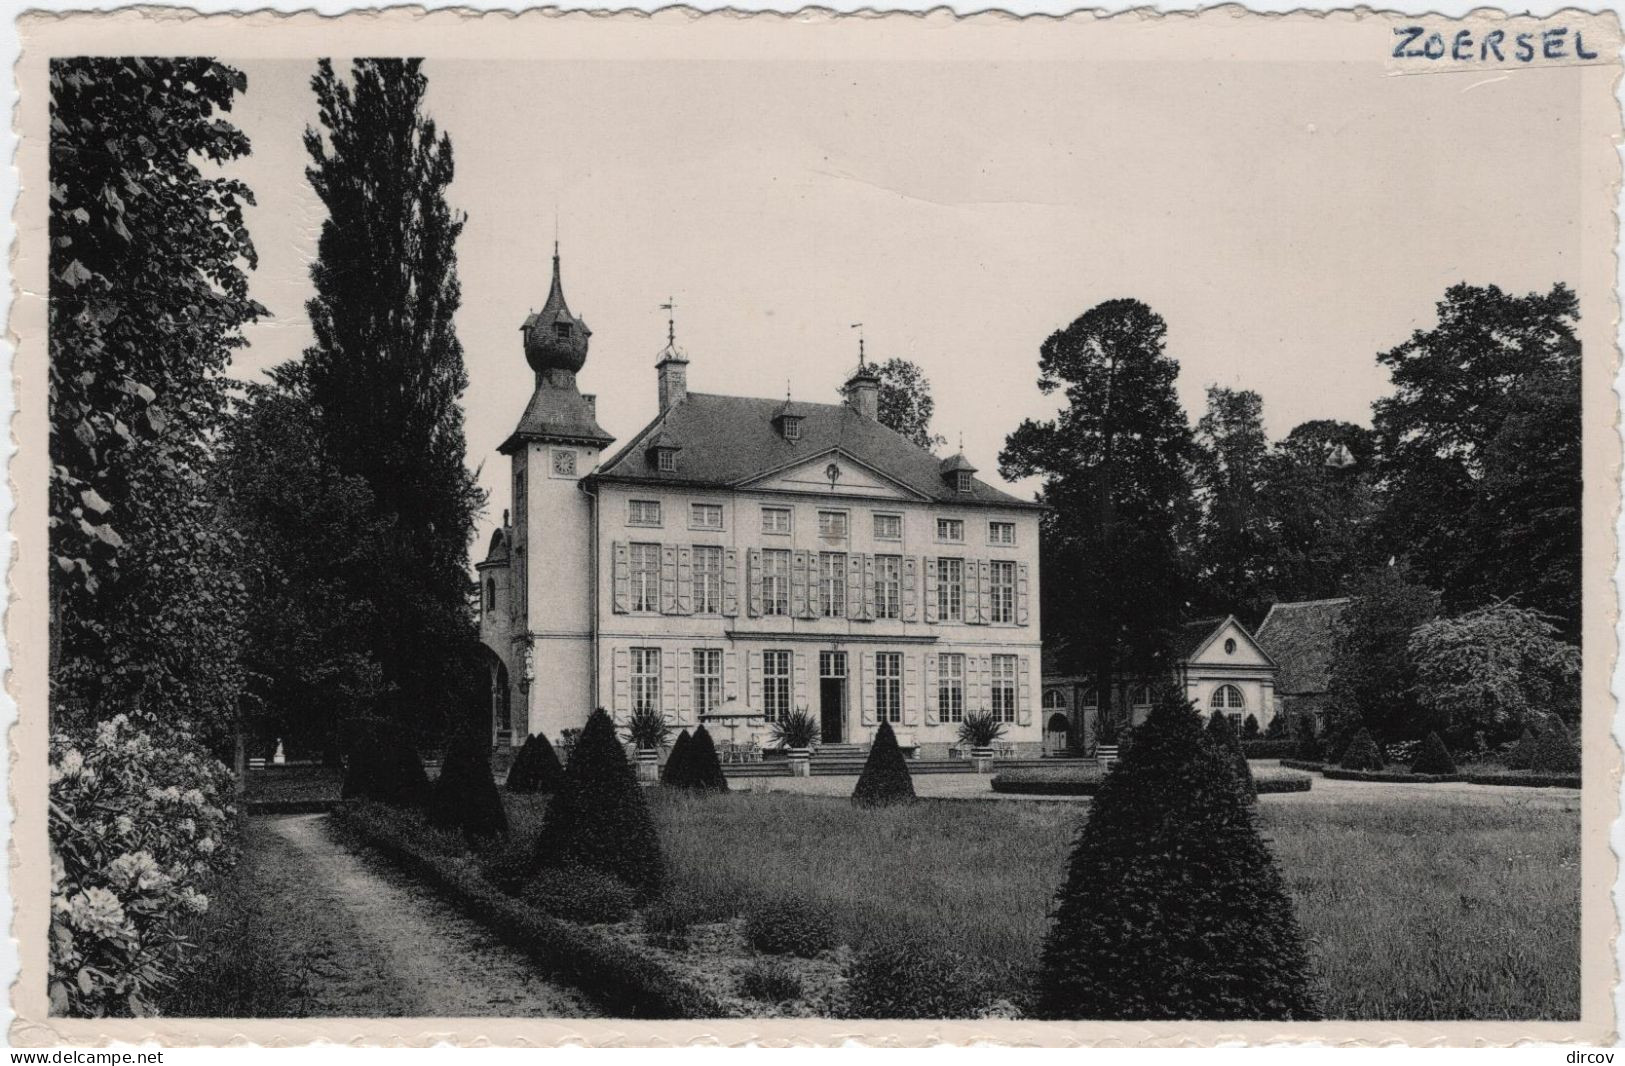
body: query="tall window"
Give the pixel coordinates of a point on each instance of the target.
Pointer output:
(950, 589)
(1001, 532)
(889, 686)
(951, 687)
(832, 524)
(775, 520)
(490, 594)
(705, 515)
(1003, 589)
(707, 579)
(646, 679)
(1227, 699)
(645, 577)
(1004, 688)
(643, 513)
(707, 679)
(775, 581)
(776, 685)
(832, 584)
(888, 527)
(951, 529)
(888, 586)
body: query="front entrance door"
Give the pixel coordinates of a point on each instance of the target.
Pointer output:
(832, 696)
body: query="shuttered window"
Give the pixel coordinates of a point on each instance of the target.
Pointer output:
(775, 581)
(1003, 605)
(951, 589)
(707, 579)
(951, 687)
(1004, 688)
(645, 679)
(832, 584)
(645, 560)
(888, 686)
(776, 685)
(888, 586)
(707, 679)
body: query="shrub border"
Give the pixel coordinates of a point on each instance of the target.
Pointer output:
(1303, 764)
(1526, 780)
(1510, 780)
(612, 974)
(1269, 749)
(1089, 787)
(1391, 777)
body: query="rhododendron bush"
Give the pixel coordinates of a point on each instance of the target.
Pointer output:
(141, 825)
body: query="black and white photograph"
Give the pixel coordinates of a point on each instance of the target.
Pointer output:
(1016, 524)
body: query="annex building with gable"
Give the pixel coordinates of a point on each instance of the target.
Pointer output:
(742, 555)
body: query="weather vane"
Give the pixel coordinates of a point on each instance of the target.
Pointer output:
(670, 307)
(859, 327)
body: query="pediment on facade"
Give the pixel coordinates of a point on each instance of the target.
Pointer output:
(850, 477)
(1245, 651)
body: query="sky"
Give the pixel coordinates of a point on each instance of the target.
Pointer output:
(1287, 220)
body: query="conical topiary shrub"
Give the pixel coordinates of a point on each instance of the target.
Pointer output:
(1433, 758)
(1172, 906)
(1250, 730)
(679, 768)
(1362, 753)
(1307, 745)
(1279, 728)
(384, 767)
(599, 818)
(465, 796)
(885, 778)
(1222, 735)
(1523, 752)
(1555, 752)
(536, 768)
(704, 766)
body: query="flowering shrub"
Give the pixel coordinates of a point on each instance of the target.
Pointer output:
(140, 825)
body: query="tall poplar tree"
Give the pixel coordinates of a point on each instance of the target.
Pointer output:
(1234, 532)
(386, 372)
(1115, 468)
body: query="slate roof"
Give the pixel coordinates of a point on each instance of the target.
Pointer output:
(730, 440)
(1300, 638)
(557, 411)
(497, 554)
(1189, 637)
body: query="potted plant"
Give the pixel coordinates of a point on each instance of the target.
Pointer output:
(796, 733)
(648, 729)
(979, 732)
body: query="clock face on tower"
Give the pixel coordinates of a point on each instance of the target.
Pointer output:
(564, 464)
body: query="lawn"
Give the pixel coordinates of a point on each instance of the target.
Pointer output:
(1424, 910)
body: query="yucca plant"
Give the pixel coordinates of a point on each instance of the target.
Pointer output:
(980, 730)
(798, 729)
(647, 729)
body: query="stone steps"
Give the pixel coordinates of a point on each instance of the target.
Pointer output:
(824, 766)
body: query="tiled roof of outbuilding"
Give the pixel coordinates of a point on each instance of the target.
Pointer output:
(731, 440)
(1300, 638)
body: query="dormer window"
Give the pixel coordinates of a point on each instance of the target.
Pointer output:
(964, 481)
(666, 460)
(561, 330)
(792, 428)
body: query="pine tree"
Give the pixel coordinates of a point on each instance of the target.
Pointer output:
(679, 769)
(706, 768)
(386, 370)
(1433, 758)
(885, 778)
(466, 797)
(599, 817)
(1173, 906)
(1222, 735)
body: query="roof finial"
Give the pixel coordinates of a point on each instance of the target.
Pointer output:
(670, 307)
(859, 327)
(961, 442)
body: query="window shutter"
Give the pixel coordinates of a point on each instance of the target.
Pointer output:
(854, 586)
(623, 681)
(911, 588)
(864, 671)
(798, 681)
(754, 669)
(684, 709)
(753, 586)
(1024, 700)
(911, 687)
(730, 676)
(931, 588)
(984, 670)
(933, 709)
(668, 683)
(799, 603)
(623, 578)
(685, 580)
(984, 590)
(668, 579)
(868, 586)
(970, 593)
(730, 583)
(1021, 595)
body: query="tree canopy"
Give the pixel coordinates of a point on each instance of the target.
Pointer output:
(905, 402)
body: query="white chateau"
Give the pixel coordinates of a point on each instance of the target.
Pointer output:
(743, 555)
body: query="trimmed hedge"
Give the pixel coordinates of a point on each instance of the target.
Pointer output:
(1088, 783)
(622, 981)
(1269, 749)
(579, 894)
(1510, 778)
(1303, 764)
(903, 979)
(1525, 779)
(790, 926)
(1390, 777)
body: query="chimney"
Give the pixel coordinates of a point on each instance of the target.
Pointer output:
(673, 371)
(863, 392)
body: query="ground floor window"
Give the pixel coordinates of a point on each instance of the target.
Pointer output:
(1004, 688)
(889, 686)
(646, 679)
(951, 687)
(707, 679)
(776, 685)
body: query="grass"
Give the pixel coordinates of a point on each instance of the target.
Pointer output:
(1415, 911)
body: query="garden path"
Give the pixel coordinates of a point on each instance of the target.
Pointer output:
(374, 944)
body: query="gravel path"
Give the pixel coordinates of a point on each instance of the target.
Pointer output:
(374, 944)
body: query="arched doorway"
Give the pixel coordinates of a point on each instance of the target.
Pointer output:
(1056, 722)
(501, 701)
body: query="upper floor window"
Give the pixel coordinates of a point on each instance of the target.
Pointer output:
(705, 515)
(964, 481)
(792, 427)
(490, 594)
(775, 581)
(1001, 532)
(666, 459)
(643, 513)
(951, 529)
(645, 575)
(888, 586)
(775, 520)
(951, 589)
(832, 584)
(888, 527)
(707, 579)
(832, 524)
(562, 330)
(1054, 700)
(1002, 591)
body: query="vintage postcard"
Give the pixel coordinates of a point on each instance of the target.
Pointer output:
(668, 528)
